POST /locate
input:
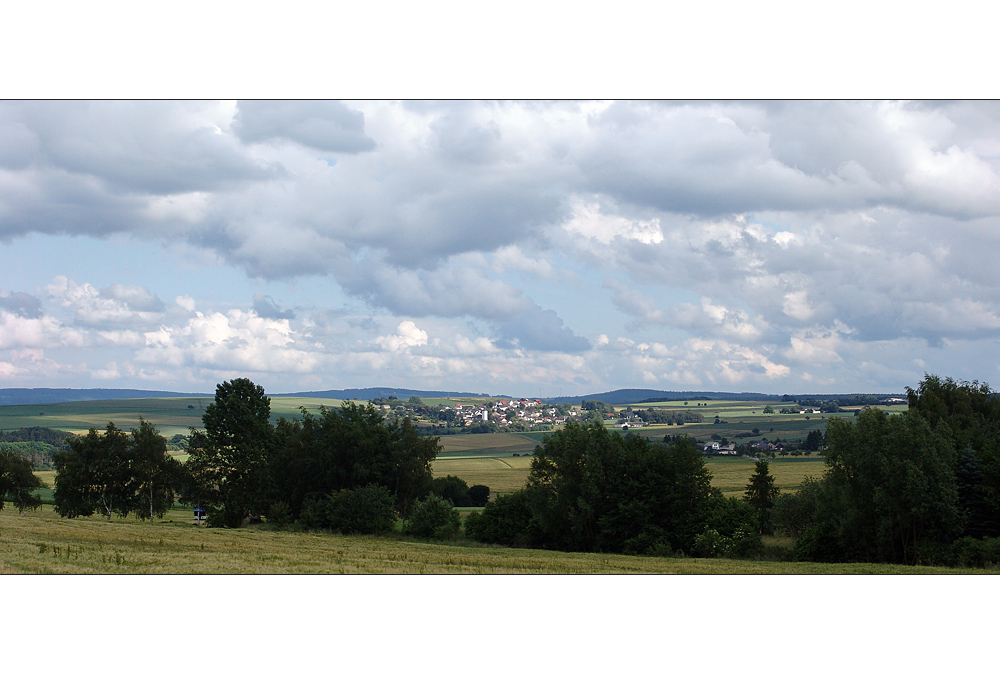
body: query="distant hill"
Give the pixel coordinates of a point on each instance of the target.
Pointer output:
(45, 396)
(369, 393)
(630, 396)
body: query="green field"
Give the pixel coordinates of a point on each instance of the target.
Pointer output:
(170, 415)
(41, 542)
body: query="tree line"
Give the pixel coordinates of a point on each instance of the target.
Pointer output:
(919, 487)
(345, 469)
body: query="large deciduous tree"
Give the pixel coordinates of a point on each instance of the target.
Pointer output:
(155, 473)
(230, 462)
(17, 482)
(348, 448)
(95, 474)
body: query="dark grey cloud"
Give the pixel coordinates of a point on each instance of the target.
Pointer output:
(22, 304)
(325, 125)
(129, 146)
(266, 307)
(136, 298)
(540, 330)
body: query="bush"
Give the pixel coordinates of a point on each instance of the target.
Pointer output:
(279, 514)
(452, 488)
(367, 510)
(479, 495)
(313, 514)
(433, 517)
(971, 552)
(505, 521)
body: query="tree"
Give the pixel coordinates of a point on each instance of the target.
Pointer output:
(479, 495)
(433, 517)
(768, 409)
(897, 478)
(591, 490)
(812, 441)
(453, 489)
(760, 494)
(17, 482)
(348, 448)
(366, 510)
(156, 474)
(95, 473)
(230, 462)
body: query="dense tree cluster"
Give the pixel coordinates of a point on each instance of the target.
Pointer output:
(596, 491)
(916, 487)
(654, 415)
(18, 482)
(116, 473)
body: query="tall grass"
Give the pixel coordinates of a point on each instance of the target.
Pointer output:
(41, 542)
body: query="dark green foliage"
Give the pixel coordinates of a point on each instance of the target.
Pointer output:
(155, 474)
(506, 520)
(591, 490)
(279, 514)
(479, 495)
(348, 448)
(978, 553)
(889, 493)
(658, 415)
(730, 530)
(116, 472)
(760, 494)
(812, 442)
(365, 510)
(17, 482)
(230, 462)
(313, 513)
(95, 474)
(454, 489)
(35, 444)
(968, 413)
(433, 517)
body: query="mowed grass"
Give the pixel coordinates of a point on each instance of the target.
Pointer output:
(41, 542)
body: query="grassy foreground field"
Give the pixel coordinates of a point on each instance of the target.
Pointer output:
(41, 542)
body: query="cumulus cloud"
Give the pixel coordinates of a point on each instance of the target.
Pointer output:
(24, 305)
(324, 125)
(813, 232)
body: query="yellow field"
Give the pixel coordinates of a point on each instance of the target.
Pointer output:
(502, 475)
(732, 474)
(41, 542)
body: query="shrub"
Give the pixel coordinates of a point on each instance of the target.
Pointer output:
(479, 495)
(279, 514)
(313, 514)
(433, 517)
(505, 520)
(367, 510)
(452, 488)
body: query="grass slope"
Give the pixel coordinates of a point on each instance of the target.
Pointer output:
(41, 542)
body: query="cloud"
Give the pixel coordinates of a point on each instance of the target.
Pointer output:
(266, 307)
(325, 125)
(541, 330)
(24, 305)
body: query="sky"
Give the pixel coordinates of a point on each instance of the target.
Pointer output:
(520, 248)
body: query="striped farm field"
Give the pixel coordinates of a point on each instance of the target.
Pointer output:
(502, 475)
(486, 443)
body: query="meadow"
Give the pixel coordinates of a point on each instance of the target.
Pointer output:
(41, 542)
